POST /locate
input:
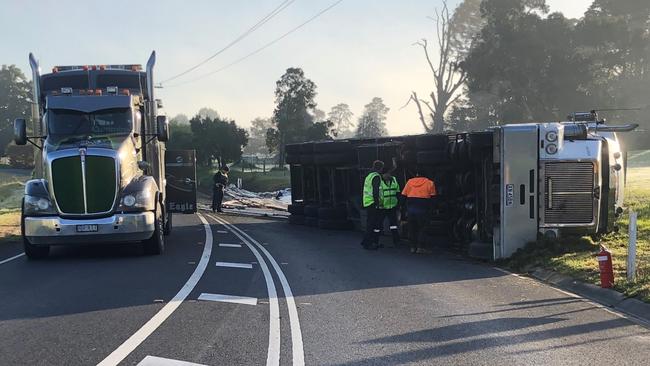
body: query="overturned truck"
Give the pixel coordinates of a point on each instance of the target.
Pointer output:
(498, 189)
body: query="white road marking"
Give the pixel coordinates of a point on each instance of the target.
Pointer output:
(159, 361)
(296, 333)
(226, 245)
(273, 353)
(222, 232)
(234, 265)
(12, 258)
(229, 298)
(138, 337)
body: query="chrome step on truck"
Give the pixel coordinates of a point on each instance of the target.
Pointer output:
(99, 135)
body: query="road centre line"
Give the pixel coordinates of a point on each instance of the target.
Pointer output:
(296, 333)
(235, 265)
(222, 231)
(150, 326)
(226, 245)
(228, 298)
(11, 258)
(273, 353)
(160, 361)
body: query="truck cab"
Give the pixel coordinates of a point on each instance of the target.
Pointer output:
(99, 137)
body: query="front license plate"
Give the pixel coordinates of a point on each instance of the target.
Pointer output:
(86, 228)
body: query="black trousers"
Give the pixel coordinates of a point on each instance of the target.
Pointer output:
(374, 223)
(417, 222)
(217, 199)
(391, 215)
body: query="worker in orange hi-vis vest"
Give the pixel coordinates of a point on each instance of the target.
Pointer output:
(418, 193)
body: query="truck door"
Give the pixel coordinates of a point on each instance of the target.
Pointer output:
(180, 174)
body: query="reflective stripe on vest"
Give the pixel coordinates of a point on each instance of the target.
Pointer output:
(368, 199)
(388, 193)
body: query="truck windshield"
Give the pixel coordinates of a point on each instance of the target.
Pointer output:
(64, 122)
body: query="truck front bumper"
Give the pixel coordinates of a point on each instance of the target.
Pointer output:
(53, 230)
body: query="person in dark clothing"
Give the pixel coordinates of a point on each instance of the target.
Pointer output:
(418, 193)
(220, 180)
(371, 202)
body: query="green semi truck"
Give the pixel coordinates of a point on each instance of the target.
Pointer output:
(99, 135)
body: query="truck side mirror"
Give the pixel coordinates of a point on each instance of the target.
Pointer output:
(163, 128)
(20, 131)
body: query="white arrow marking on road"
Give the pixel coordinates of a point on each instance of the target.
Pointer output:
(12, 258)
(159, 361)
(234, 265)
(273, 353)
(296, 333)
(226, 245)
(138, 337)
(229, 298)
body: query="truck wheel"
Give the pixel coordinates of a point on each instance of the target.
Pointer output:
(169, 224)
(32, 251)
(156, 244)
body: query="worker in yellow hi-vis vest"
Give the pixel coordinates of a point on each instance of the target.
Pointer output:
(371, 203)
(389, 191)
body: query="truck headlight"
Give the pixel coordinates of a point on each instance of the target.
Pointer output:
(551, 149)
(34, 205)
(137, 201)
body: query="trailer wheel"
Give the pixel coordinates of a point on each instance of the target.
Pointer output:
(311, 211)
(431, 142)
(432, 157)
(335, 224)
(333, 213)
(156, 244)
(334, 158)
(296, 209)
(32, 251)
(297, 220)
(311, 221)
(292, 159)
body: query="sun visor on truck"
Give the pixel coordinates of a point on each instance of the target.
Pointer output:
(88, 104)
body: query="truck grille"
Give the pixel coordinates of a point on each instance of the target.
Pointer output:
(569, 193)
(68, 184)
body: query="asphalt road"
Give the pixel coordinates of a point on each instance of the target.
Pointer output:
(303, 295)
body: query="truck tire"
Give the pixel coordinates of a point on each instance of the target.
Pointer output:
(292, 159)
(296, 209)
(432, 157)
(431, 142)
(297, 220)
(332, 147)
(32, 251)
(335, 224)
(333, 213)
(334, 158)
(156, 244)
(311, 211)
(169, 224)
(311, 221)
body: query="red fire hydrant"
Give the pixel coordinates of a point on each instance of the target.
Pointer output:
(606, 269)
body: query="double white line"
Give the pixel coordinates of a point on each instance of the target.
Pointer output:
(273, 355)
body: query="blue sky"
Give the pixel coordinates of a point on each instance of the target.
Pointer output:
(358, 50)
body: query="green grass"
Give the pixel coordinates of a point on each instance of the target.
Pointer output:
(9, 226)
(254, 182)
(575, 256)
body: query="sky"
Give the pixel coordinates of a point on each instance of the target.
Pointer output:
(358, 50)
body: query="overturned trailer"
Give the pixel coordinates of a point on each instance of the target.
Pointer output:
(497, 189)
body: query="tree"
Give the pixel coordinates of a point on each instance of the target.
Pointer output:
(210, 113)
(21, 157)
(372, 122)
(454, 36)
(293, 119)
(180, 119)
(257, 136)
(15, 101)
(181, 137)
(217, 139)
(341, 118)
